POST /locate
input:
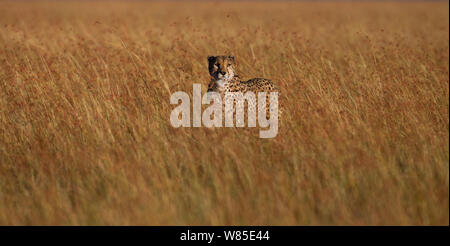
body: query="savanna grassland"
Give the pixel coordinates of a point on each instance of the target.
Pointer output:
(85, 136)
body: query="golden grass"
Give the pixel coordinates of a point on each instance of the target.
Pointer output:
(85, 137)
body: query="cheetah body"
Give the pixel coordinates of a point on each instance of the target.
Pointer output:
(224, 79)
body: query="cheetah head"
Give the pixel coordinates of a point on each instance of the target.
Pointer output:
(221, 67)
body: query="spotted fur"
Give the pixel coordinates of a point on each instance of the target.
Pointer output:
(224, 79)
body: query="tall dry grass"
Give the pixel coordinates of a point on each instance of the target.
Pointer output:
(85, 137)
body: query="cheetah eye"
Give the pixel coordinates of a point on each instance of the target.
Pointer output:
(229, 65)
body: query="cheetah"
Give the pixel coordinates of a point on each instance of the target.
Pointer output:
(224, 79)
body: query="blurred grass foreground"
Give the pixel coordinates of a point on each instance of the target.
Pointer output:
(85, 136)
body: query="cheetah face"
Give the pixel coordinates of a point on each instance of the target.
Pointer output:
(221, 67)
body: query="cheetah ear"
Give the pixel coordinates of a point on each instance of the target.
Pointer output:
(232, 58)
(211, 58)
